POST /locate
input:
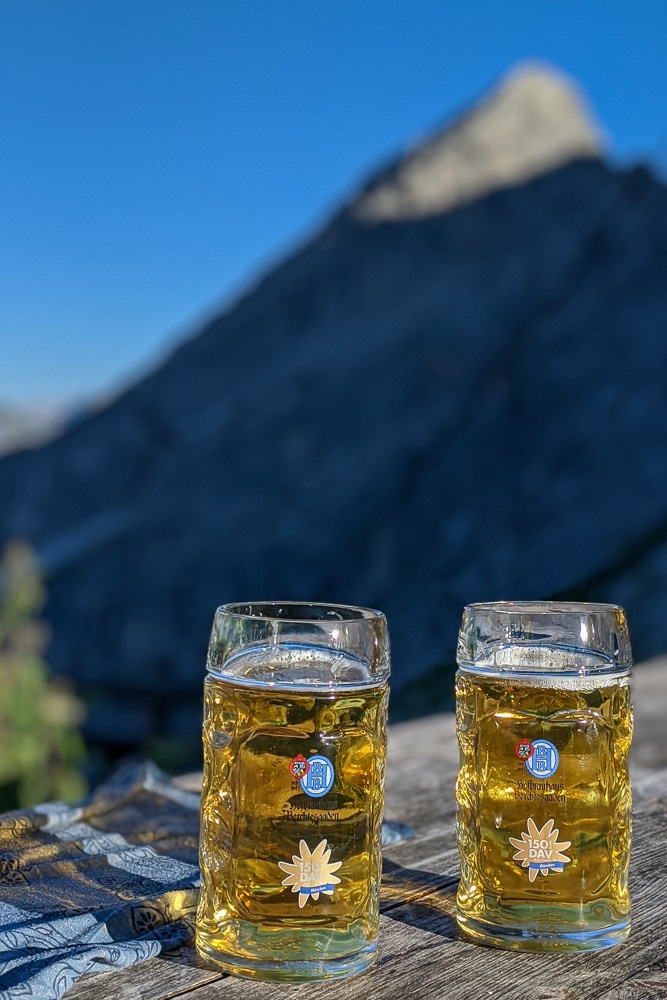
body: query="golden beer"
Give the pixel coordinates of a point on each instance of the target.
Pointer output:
(544, 809)
(290, 840)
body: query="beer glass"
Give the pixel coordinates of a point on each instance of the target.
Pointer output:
(544, 723)
(294, 757)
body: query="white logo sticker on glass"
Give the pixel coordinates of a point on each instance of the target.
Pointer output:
(539, 850)
(310, 873)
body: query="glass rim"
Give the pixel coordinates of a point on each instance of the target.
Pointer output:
(245, 610)
(546, 607)
(554, 637)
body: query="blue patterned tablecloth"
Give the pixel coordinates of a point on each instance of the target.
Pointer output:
(101, 885)
(97, 886)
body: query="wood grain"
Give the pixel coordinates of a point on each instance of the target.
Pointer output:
(421, 953)
(156, 979)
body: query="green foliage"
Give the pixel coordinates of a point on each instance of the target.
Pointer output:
(41, 748)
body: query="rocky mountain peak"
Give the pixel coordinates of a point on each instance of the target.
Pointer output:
(533, 121)
(458, 406)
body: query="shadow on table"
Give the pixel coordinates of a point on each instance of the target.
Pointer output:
(420, 899)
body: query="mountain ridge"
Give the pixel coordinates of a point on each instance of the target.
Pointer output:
(406, 413)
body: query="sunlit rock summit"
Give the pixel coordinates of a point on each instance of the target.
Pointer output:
(533, 122)
(455, 392)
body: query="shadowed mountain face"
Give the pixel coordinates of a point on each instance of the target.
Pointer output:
(411, 413)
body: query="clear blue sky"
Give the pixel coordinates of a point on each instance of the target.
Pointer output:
(157, 154)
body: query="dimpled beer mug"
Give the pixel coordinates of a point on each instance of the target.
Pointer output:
(294, 757)
(544, 723)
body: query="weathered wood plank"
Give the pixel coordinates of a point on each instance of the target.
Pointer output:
(646, 983)
(156, 979)
(420, 950)
(649, 751)
(420, 946)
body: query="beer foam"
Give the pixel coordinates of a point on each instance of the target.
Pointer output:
(547, 665)
(552, 681)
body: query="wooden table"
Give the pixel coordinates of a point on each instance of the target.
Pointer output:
(421, 954)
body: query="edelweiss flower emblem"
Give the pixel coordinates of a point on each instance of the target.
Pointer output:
(310, 872)
(538, 850)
